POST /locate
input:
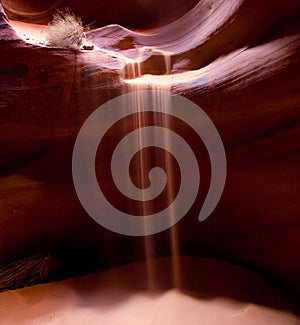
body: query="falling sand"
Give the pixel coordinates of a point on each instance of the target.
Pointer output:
(162, 93)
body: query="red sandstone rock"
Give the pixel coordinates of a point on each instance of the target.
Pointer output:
(133, 13)
(239, 60)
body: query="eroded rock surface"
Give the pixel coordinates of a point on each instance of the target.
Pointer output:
(238, 60)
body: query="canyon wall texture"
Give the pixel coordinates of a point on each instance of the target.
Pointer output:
(237, 59)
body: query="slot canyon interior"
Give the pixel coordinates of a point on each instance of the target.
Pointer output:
(205, 75)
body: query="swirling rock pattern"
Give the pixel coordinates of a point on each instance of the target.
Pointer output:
(237, 59)
(133, 13)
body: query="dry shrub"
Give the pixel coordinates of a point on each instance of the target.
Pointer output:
(25, 272)
(65, 30)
